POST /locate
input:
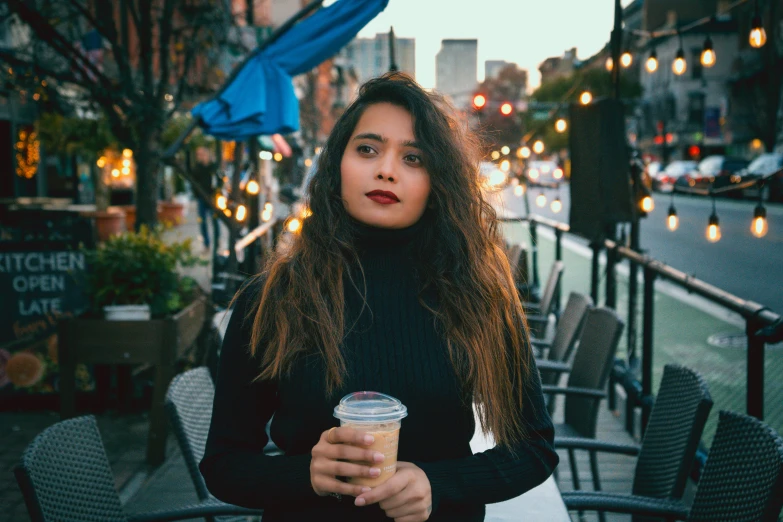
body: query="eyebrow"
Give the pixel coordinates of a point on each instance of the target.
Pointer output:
(378, 137)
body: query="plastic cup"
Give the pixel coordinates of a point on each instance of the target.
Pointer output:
(379, 415)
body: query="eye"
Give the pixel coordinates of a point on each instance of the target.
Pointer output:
(365, 149)
(413, 158)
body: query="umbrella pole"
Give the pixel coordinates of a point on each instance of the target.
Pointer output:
(312, 6)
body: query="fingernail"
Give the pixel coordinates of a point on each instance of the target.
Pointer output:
(359, 501)
(369, 439)
(366, 490)
(375, 472)
(378, 457)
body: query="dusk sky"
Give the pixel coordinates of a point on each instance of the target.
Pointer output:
(522, 31)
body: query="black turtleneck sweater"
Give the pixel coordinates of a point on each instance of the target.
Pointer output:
(393, 348)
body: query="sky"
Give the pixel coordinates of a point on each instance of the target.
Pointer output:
(525, 32)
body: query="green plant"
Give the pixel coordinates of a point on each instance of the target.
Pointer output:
(141, 268)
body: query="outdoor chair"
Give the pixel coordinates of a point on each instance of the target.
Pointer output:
(587, 379)
(65, 475)
(189, 407)
(742, 480)
(546, 305)
(671, 439)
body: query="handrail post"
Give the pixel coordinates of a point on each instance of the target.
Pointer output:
(534, 250)
(647, 341)
(755, 370)
(633, 291)
(596, 246)
(611, 280)
(558, 257)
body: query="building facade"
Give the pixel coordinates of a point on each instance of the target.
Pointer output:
(558, 66)
(456, 70)
(493, 67)
(371, 57)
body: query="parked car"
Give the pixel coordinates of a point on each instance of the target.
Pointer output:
(764, 166)
(663, 180)
(544, 172)
(713, 171)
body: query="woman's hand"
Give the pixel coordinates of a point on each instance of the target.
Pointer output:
(405, 497)
(336, 445)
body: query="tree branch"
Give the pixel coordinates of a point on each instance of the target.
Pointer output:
(164, 35)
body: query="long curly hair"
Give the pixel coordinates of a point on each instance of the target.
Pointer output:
(300, 309)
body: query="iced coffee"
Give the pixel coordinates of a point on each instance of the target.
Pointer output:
(378, 415)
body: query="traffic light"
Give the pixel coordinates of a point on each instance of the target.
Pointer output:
(479, 101)
(506, 109)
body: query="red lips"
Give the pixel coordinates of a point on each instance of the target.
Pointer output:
(383, 196)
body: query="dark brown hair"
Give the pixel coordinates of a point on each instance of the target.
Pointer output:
(300, 307)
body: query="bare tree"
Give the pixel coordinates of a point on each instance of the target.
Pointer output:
(133, 62)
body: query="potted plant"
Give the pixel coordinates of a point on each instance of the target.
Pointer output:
(134, 276)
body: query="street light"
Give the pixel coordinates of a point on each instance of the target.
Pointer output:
(479, 101)
(561, 125)
(585, 98)
(652, 62)
(708, 53)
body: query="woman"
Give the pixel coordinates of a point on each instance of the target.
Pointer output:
(398, 284)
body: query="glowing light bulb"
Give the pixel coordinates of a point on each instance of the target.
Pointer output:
(227, 212)
(294, 225)
(557, 173)
(241, 213)
(759, 225)
(556, 205)
(505, 165)
(252, 187)
(505, 150)
(308, 162)
(541, 200)
(538, 147)
(524, 152)
(708, 53)
(495, 154)
(266, 215)
(561, 125)
(127, 153)
(585, 98)
(221, 202)
(626, 59)
(672, 221)
(278, 156)
(101, 162)
(519, 191)
(609, 63)
(758, 36)
(652, 62)
(679, 66)
(506, 109)
(125, 171)
(115, 173)
(533, 173)
(713, 229)
(647, 204)
(126, 163)
(265, 155)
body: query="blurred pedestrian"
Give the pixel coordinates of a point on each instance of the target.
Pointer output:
(397, 283)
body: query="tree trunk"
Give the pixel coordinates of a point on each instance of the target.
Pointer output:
(148, 178)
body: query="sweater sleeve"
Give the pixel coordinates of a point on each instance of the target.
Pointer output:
(496, 475)
(234, 466)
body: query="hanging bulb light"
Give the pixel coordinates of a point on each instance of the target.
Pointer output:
(708, 53)
(713, 229)
(538, 147)
(241, 213)
(556, 205)
(758, 36)
(759, 226)
(541, 200)
(252, 187)
(626, 59)
(652, 62)
(585, 98)
(672, 221)
(609, 64)
(221, 202)
(679, 66)
(519, 191)
(561, 125)
(647, 204)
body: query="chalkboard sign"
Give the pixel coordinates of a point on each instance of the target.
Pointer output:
(41, 267)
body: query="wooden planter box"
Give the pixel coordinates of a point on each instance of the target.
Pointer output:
(159, 342)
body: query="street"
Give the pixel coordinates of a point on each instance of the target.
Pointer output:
(739, 263)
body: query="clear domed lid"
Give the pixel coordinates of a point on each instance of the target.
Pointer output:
(369, 406)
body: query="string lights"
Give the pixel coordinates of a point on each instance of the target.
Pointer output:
(708, 53)
(713, 225)
(28, 154)
(672, 221)
(758, 36)
(679, 65)
(652, 62)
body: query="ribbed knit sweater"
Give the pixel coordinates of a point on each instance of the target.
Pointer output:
(395, 348)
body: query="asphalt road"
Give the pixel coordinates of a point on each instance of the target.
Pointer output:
(741, 264)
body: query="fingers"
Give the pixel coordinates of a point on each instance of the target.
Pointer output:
(346, 452)
(416, 510)
(326, 485)
(343, 469)
(386, 490)
(346, 435)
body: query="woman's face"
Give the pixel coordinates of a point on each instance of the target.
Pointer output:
(384, 182)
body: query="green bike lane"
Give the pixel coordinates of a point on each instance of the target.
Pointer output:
(682, 327)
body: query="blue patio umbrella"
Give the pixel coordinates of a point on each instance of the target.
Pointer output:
(260, 98)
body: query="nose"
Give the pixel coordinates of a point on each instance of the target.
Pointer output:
(386, 169)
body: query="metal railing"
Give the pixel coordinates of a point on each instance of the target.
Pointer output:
(640, 389)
